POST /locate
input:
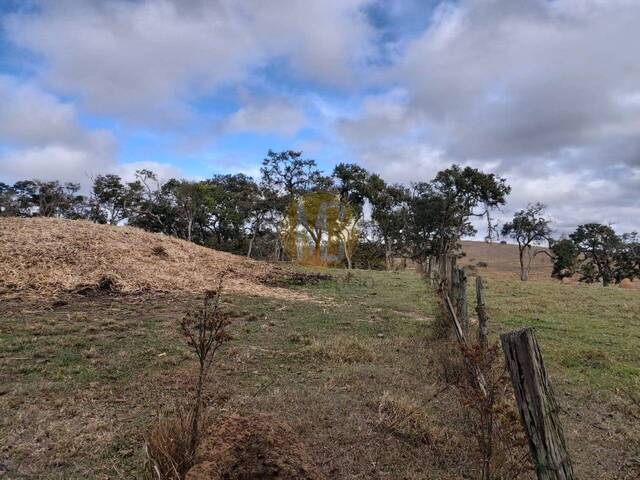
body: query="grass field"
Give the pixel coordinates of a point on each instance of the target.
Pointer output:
(80, 380)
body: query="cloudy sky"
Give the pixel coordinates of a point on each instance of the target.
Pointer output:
(546, 93)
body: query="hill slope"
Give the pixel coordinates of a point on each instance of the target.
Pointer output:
(502, 260)
(46, 256)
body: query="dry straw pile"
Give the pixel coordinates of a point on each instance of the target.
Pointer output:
(46, 257)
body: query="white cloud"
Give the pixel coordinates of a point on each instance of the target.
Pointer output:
(544, 93)
(146, 59)
(275, 115)
(53, 162)
(42, 136)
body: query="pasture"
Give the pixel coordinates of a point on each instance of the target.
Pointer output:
(82, 376)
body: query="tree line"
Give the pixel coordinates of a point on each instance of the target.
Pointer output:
(424, 222)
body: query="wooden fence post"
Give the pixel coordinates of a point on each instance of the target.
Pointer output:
(482, 313)
(459, 295)
(537, 405)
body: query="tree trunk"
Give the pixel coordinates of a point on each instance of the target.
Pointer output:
(524, 269)
(251, 240)
(537, 405)
(189, 229)
(277, 250)
(387, 255)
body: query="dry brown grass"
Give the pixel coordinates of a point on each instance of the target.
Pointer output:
(167, 448)
(344, 349)
(501, 261)
(404, 415)
(46, 257)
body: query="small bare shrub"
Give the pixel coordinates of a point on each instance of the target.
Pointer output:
(172, 443)
(492, 418)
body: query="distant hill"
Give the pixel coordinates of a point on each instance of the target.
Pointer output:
(46, 256)
(502, 260)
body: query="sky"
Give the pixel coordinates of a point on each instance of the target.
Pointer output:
(543, 92)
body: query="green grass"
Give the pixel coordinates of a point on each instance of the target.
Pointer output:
(588, 333)
(93, 372)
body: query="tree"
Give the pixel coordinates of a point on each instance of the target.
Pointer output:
(627, 257)
(8, 201)
(287, 176)
(528, 228)
(151, 209)
(289, 173)
(259, 214)
(28, 198)
(112, 199)
(387, 202)
(190, 202)
(352, 185)
(598, 245)
(440, 210)
(232, 199)
(565, 258)
(345, 229)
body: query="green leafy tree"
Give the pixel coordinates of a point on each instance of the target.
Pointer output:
(565, 258)
(286, 176)
(352, 185)
(598, 245)
(43, 198)
(440, 211)
(112, 199)
(260, 210)
(528, 227)
(151, 207)
(232, 203)
(290, 174)
(8, 201)
(189, 201)
(628, 257)
(388, 212)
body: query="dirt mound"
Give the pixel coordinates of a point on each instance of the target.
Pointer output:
(260, 446)
(44, 256)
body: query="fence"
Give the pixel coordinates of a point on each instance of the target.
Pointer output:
(534, 395)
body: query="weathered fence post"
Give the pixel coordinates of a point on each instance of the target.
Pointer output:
(459, 295)
(482, 313)
(537, 405)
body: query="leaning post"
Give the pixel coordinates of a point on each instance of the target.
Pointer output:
(537, 405)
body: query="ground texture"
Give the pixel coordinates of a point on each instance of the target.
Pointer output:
(346, 366)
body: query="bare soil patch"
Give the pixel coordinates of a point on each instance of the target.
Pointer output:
(258, 446)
